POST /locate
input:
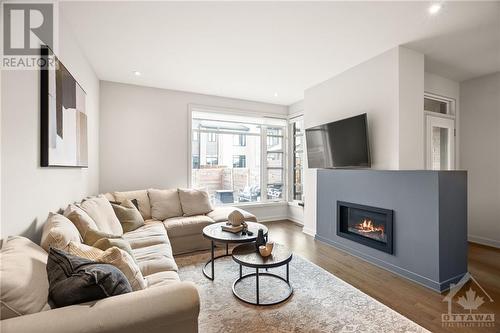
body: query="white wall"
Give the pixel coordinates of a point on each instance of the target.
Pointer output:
(389, 88)
(480, 155)
(442, 86)
(410, 112)
(144, 137)
(29, 192)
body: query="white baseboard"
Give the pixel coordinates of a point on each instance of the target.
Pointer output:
(273, 218)
(294, 220)
(484, 241)
(309, 231)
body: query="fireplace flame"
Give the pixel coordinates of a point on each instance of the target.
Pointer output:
(367, 226)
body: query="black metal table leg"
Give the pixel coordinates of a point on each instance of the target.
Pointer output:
(257, 283)
(212, 250)
(287, 273)
(211, 262)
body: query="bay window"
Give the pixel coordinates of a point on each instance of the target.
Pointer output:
(238, 157)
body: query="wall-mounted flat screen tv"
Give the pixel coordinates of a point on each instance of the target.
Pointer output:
(339, 144)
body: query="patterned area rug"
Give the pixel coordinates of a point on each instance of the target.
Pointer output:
(321, 302)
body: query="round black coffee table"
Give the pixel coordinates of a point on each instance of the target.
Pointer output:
(215, 233)
(246, 255)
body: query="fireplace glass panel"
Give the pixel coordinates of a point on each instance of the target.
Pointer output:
(367, 224)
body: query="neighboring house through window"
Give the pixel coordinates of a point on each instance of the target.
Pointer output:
(239, 154)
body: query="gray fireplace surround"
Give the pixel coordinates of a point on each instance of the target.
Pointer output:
(429, 220)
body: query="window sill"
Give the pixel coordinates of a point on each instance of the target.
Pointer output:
(257, 204)
(296, 203)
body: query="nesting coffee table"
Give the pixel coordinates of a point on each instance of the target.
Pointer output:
(245, 255)
(215, 234)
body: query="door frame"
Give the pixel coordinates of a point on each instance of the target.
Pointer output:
(453, 113)
(445, 120)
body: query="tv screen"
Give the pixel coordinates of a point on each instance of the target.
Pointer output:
(340, 144)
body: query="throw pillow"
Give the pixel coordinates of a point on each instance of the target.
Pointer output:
(23, 278)
(195, 202)
(125, 263)
(142, 198)
(128, 215)
(80, 219)
(164, 204)
(101, 211)
(92, 236)
(122, 244)
(58, 231)
(114, 256)
(84, 251)
(74, 280)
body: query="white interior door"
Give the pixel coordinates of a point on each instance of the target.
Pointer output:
(440, 143)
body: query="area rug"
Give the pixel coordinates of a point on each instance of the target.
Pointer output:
(321, 302)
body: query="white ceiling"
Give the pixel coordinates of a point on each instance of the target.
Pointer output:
(252, 50)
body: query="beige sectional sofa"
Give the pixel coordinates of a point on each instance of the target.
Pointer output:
(165, 305)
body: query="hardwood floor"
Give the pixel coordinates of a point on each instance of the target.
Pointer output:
(417, 303)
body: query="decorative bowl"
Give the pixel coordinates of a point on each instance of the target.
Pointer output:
(266, 250)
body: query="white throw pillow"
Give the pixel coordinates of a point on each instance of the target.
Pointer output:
(101, 211)
(164, 204)
(58, 231)
(195, 202)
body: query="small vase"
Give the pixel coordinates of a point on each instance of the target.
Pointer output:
(260, 239)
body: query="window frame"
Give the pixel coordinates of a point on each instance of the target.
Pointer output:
(263, 153)
(291, 188)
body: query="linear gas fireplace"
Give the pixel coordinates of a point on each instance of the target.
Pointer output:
(370, 226)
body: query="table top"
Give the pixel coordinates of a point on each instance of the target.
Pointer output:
(247, 255)
(215, 233)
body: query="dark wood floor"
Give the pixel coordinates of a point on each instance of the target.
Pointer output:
(417, 303)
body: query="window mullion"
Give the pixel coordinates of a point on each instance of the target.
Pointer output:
(263, 178)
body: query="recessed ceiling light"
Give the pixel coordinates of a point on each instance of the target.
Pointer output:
(137, 73)
(275, 94)
(435, 8)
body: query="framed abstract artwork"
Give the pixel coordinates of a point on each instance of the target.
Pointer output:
(63, 116)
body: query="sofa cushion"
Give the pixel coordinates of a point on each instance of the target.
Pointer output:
(75, 280)
(80, 219)
(151, 233)
(142, 198)
(23, 283)
(128, 215)
(220, 214)
(58, 231)
(164, 204)
(155, 258)
(186, 225)
(195, 202)
(162, 278)
(100, 210)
